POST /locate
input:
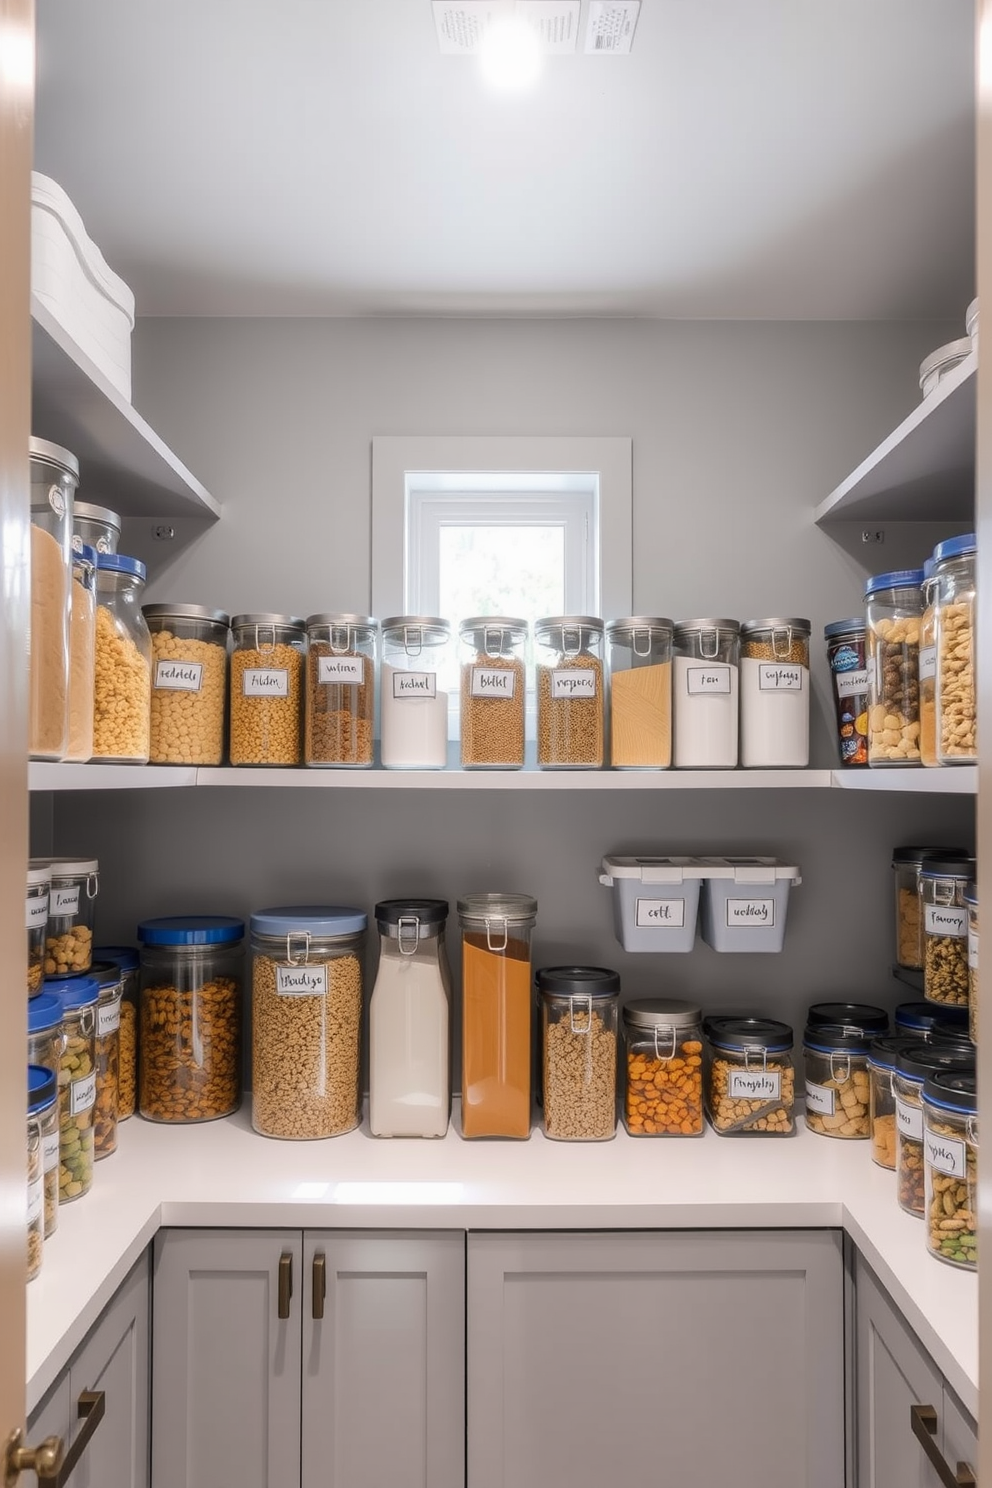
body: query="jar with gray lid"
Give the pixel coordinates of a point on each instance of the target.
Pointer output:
(579, 1043)
(416, 674)
(705, 686)
(267, 668)
(663, 1046)
(943, 882)
(570, 700)
(493, 692)
(496, 1013)
(97, 526)
(54, 478)
(123, 677)
(340, 692)
(640, 655)
(775, 694)
(75, 883)
(189, 683)
(410, 1021)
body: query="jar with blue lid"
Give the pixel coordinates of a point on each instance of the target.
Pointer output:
(838, 1095)
(42, 1121)
(190, 1017)
(750, 1082)
(123, 673)
(894, 610)
(77, 1083)
(926, 1021)
(950, 1167)
(914, 1063)
(954, 626)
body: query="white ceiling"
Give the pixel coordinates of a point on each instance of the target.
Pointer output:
(783, 159)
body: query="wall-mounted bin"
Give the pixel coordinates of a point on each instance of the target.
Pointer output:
(745, 902)
(655, 901)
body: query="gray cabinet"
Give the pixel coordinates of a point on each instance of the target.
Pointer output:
(678, 1357)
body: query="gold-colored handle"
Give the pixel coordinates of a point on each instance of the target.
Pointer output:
(51, 1464)
(285, 1283)
(924, 1422)
(319, 1285)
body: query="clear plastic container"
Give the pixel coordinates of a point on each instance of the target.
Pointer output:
(77, 1085)
(894, 607)
(971, 904)
(45, 1049)
(39, 880)
(750, 1079)
(340, 693)
(410, 1022)
(125, 958)
(123, 685)
(705, 689)
(945, 928)
(640, 657)
(82, 655)
(914, 1063)
(955, 610)
(413, 699)
(190, 1017)
(267, 671)
(570, 692)
(847, 657)
(493, 692)
(42, 1116)
(882, 1101)
(928, 669)
(774, 694)
(54, 478)
(909, 910)
(306, 1020)
(950, 1168)
(107, 976)
(97, 526)
(189, 683)
(837, 1088)
(497, 1057)
(579, 1007)
(663, 1048)
(71, 912)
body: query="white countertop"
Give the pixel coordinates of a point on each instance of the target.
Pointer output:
(223, 1174)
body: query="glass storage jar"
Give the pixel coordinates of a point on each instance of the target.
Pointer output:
(750, 1081)
(71, 912)
(410, 1022)
(928, 1021)
(493, 692)
(945, 928)
(705, 688)
(82, 655)
(955, 622)
(97, 526)
(971, 904)
(267, 689)
(928, 669)
(848, 662)
(579, 1007)
(640, 657)
(497, 1058)
(570, 701)
(190, 1017)
(54, 478)
(122, 700)
(906, 863)
(882, 1101)
(914, 1063)
(416, 661)
(774, 694)
(45, 1049)
(39, 880)
(663, 1090)
(950, 1167)
(837, 1090)
(306, 1008)
(77, 1084)
(107, 976)
(872, 1021)
(125, 958)
(189, 683)
(894, 608)
(42, 1114)
(340, 692)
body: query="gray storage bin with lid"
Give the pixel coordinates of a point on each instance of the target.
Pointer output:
(655, 901)
(745, 902)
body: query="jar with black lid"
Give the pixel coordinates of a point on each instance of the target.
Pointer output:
(871, 1020)
(882, 1101)
(943, 882)
(579, 1041)
(928, 1021)
(914, 1063)
(838, 1096)
(750, 1084)
(906, 863)
(950, 1173)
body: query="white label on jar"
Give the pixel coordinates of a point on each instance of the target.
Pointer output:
(36, 1196)
(754, 1084)
(108, 1018)
(659, 914)
(498, 682)
(574, 682)
(265, 682)
(301, 981)
(178, 676)
(742, 913)
(927, 662)
(852, 684)
(414, 685)
(944, 919)
(82, 1094)
(37, 911)
(973, 949)
(65, 902)
(944, 1154)
(909, 1120)
(50, 1151)
(346, 669)
(704, 679)
(775, 678)
(819, 1099)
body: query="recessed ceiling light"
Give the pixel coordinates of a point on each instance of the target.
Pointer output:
(510, 52)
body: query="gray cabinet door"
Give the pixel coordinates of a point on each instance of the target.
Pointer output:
(384, 1369)
(52, 1416)
(960, 1434)
(226, 1367)
(694, 1357)
(115, 1359)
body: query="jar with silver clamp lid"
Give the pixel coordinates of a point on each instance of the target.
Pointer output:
(775, 694)
(640, 654)
(663, 1045)
(570, 702)
(414, 692)
(189, 683)
(493, 692)
(54, 478)
(579, 1040)
(410, 1021)
(267, 665)
(705, 687)
(340, 694)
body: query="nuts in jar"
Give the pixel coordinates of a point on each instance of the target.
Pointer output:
(954, 609)
(750, 1087)
(950, 1150)
(914, 1063)
(77, 1085)
(71, 910)
(579, 1025)
(945, 928)
(664, 1085)
(894, 607)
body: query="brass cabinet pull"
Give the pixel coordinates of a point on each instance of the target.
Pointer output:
(285, 1283)
(319, 1284)
(50, 1462)
(924, 1422)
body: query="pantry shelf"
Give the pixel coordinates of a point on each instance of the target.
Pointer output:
(955, 780)
(49, 777)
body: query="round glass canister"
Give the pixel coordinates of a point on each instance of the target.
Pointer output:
(97, 526)
(71, 912)
(882, 1101)
(45, 1049)
(410, 1022)
(340, 693)
(872, 1021)
(122, 702)
(894, 606)
(945, 928)
(570, 700)
(189, 683)
(927, 1021)
(774, 694)
(750, 1084)
(950, 1167)
(125, 958)
(663, 1044)
(497, 1058)
(955, 616)
(267, 689)
(77, 1084)
(413, 698)
(705, 689)
(928, 669)
(39, 880)
(306, 1020)
(640, 657)
(493, 692)
(54, 478)
(107, 976)
(914, 1063)
(971, 904)
(909, 919)
(579, 1006)
(190, 1017)
(847, 658)
(82, 655)
(837, 1089)
(42, 1115)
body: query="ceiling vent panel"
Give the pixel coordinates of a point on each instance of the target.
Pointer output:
(610, 26)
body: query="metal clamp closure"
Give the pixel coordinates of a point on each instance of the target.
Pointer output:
(92, 885)
(493, 640)
(639, 638)
(755, 1049)
(782, 642)
(669, 1030)
(411, 924)
(262, 645)
(584, 1001)
(715, 652)
(413, 647)
(301, 955)
(498, 920)
(835, 1074)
